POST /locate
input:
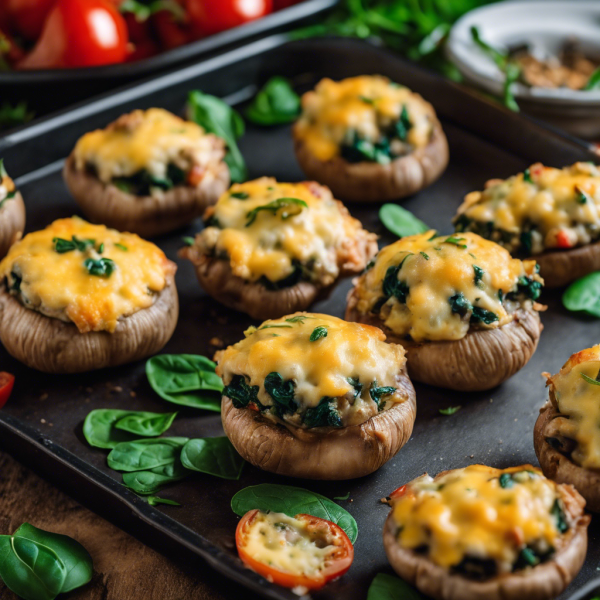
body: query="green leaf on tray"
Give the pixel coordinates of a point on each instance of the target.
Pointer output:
(214, 456)
(275, 104)
(584, 295)
(400, 221)
(144, 455)
(291, 501)
(146, 424)
(152, 481)
(390, 587)
(156, 500)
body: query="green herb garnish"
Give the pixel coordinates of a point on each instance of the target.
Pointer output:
(275, 104)
(239, 195)
(318, 333)
(102, 267)
(61, 245)
(456, 241)
(122, 247)
(289, 207)
(450, 410)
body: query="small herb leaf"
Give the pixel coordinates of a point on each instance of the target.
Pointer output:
(450, 410)
(318, 333)
(275, 104)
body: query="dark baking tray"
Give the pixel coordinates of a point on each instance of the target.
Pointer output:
(41, 424)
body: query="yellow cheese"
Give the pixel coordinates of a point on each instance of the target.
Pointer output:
(467, 513)
(366, 105)
(579, 401)
(435, 270)
(314, 229)
(59, 285)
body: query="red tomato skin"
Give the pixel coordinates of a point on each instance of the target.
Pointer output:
(80, 33)
(27, 17)
(171, 34)
(399, 492)
(7, 381)
(280, 4)
(563, 240)
(212, 16)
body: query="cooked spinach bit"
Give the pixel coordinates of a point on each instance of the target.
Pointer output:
(239, 195)
(403, 125)
(324, 414)
(482, 315)
(392, 286)
(367, 100)
(529, 287)
(189, 240)
(101, 248)
(425, 256)
(15, 286)
(318, 333)
(559, 514)
(370, 265)
(456, 241)
(528, 557)
(590, 380)
(62, 246)
(459, 304)
(527, 176)
(102, 267)
(357, 385)
(479, 273)
(142, 182)
(275, 104)
(281, 392)
(275, 327)
(475, 568)
(240, 393)
(378, 394)
(500, 295)
(361, 150)
(289, 207)
(526, 241)
(582, 196)
(122, 247)
(450, 410)
(461, 223)
(506, 480)
(292, 279)
(298, 319)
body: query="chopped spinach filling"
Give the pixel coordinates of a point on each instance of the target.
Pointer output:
(378, 394)
(476, 568)
(292, 279)
(323, 415)
(241, 393)
(142, 183)
(15, 286)
(461, 306)
(559, 514)
(282, 393)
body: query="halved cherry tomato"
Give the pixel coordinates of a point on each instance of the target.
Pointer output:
(6, 385)
(563, 240)
(212, 16)
(399, 492)
(336, 564)
(27, 17)
(79, 33)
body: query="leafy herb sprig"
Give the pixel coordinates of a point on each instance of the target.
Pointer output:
(289, 207)
(275, 104)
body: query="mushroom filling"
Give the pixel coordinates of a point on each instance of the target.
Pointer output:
(364, 119)
(278, 234)
(438, 287)
(85, 274)
(575, 394)
(7, 186)
(150, 152)
(310, 370)
(541, 209)
(481, 522)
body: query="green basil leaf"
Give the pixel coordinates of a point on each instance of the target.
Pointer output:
(214, 456)
(144, 455)
(400, 221)
(390, 587)
(30, 569)
(318, 333)
(100, 431)
(152, 481)
(76, 559)
(292, 501)
(275, 104)
(146, 424)
(584, 295)
(155, 500)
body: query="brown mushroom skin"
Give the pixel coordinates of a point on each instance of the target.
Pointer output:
(561, 468)
(543, 582)
(560, 267)
(54, 346)
(148, 216)
(372, 182)
(482, 360)
(330, 453)
(12, 223)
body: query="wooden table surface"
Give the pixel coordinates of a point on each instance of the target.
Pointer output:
(124, 568)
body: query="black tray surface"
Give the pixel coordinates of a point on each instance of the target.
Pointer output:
(42, 423)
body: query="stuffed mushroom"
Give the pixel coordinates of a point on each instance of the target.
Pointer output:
(12, 212)
(551, 215)
(312, 396)
(272, 248)
(566, 435)
(369, 139)
(149, 172)
(481, 533)
(76, 297)
(464, 310)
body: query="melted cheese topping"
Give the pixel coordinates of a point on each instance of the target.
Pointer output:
(365, 105)
(553, 201)
(320, 368)
(317, 235)
(60, 286)
(467, 513)
(143, 140)
(434, 271)
(579, 401)
(287, 544)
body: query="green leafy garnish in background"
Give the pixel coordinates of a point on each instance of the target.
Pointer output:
(11, 116)
(400, 221)
(275, 104)
(450, 410)
(289, 207)
(593, 82)
(583, 295)
(390, 587)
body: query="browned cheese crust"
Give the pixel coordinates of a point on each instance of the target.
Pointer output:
(12, 223)
(560, 267)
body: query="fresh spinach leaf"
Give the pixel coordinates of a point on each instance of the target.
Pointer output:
(214, 456)
(100, 431)
(282, 393)
(323, 415)
(152, 481)
(400, 221)
(10, 115)
(188, 240)
(584, 295)
(390, 587)
(318, 333)
(275, 104)
(292, 501)
(146, 424)
(145, 454)
(289, 207)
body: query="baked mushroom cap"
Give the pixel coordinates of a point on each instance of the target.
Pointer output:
(561, 267)
(542, 582)
(373, 182)
(12, 222)
(332, 454)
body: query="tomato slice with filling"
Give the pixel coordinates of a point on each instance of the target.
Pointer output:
(301, 551)
(6, 385)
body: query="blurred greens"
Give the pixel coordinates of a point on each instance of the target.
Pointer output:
(13, 115)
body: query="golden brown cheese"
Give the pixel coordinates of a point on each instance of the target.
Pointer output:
(560, 207)
(320, 368)
(143, 140)
(59, 285)
(578, 399)
(468, 513)
(435, 269)
(262, 240)
(365, 105)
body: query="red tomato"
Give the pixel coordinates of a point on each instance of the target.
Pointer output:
(79, 33)
(399, 492)
(563, 240)
(336, 565)
(279, 4)
(171, 33)
(6, 385)
(212, 16)
(27, 17)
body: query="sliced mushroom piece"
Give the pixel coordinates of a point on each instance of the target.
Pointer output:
(372, 182)
(560, 267)
(542, 582)
(147, 216)
(331, 453)
(54, 346)
(12, 222)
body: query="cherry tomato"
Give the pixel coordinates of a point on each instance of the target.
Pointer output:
(279, 4)
(399, 492)
(563, 240)
(171, 33)
(6, 385)
(212, 16)
(336, 564)
(79, 33)
(27, 17)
